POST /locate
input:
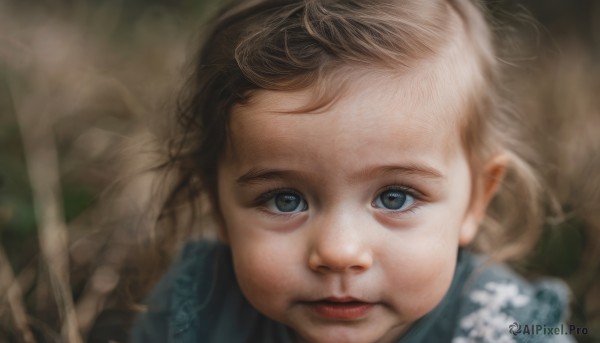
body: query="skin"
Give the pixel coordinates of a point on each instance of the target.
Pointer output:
(341, 241)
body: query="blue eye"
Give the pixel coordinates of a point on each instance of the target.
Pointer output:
(286, 202)
(394, 199)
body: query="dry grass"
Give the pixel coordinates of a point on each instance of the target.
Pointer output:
(81, 99)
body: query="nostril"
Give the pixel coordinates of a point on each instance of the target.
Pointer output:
(339, 268)
(358, 268)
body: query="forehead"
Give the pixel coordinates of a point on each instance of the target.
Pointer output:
(376, 119)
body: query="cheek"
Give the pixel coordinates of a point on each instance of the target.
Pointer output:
(258, 261)
(265, 274)
(423, 277)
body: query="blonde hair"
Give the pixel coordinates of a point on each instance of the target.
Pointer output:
(289, 45)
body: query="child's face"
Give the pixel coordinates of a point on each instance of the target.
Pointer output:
(366, 201)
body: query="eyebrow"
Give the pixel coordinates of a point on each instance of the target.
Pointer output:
(421, 170)
(259, 175)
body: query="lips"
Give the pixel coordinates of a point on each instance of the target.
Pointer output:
(345, 308)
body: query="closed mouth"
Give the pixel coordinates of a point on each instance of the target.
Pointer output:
(346, 308)
(343, 300)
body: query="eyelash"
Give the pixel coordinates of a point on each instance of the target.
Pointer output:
(270, 194)
(416, 195)
(262, 199)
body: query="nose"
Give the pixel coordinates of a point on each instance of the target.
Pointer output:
(340, 245)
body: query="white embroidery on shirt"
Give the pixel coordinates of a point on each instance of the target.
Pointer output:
(489, 323)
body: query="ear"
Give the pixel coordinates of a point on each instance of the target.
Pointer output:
(484, 188)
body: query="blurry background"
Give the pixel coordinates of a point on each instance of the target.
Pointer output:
(85, 87)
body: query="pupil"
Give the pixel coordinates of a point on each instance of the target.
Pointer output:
(287, 202)
(393, 200)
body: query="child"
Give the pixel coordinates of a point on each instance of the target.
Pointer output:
(349, 150)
